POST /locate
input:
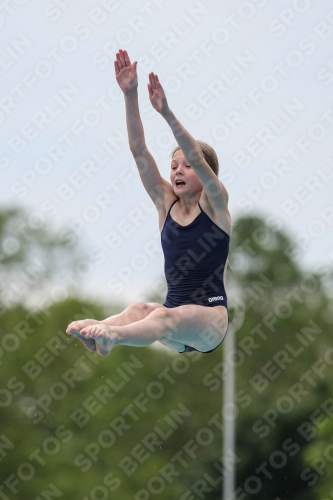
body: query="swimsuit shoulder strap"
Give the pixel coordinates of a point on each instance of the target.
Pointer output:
(171, 207)
(168, 215)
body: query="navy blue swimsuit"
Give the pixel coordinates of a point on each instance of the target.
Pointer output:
(195, 257)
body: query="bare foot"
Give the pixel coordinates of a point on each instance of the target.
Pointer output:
(88, 343)
(76, 326)
(103, 335)
(74, 329)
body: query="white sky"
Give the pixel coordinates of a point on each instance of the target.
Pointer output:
(252, 78)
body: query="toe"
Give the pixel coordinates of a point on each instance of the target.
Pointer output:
(87, 331)
(72, 327)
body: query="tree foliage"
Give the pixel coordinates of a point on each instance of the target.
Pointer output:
(148, 423)
(33, 255)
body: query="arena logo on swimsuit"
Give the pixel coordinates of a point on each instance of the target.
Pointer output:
(212, 299)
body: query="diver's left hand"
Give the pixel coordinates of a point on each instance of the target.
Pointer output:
(157, 94)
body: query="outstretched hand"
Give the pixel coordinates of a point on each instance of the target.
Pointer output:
(126, 74)
(157, 95)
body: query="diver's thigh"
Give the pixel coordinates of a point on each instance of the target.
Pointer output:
(200, 327)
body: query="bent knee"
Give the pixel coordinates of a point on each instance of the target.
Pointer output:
(166, 317)
(162, 312)
(139, 307)
(140, 310)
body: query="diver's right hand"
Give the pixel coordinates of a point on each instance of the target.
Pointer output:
(126, 74)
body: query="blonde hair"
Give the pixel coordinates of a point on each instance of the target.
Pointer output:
(208, 153)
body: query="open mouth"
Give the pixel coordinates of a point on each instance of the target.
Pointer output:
(179, 182)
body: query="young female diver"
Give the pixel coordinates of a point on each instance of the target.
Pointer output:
(195, 230)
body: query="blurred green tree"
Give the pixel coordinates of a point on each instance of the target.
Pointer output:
(148, 421)
(33, 255)
(281, 367)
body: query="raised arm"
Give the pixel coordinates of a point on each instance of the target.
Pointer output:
(213, 187)
(126, 76)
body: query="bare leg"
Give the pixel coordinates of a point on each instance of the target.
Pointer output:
(172, 344)
(134, 312)
(200, 327)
